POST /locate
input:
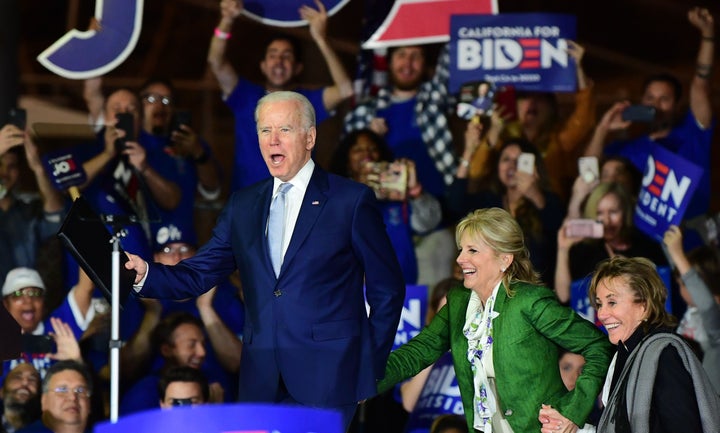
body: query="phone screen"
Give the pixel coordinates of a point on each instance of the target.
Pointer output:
(18, 117)
(526, 163)
(126, 122)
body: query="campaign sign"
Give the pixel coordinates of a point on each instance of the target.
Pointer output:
(228, 418)
(284, 13)
(527, 51)
(412, 319)
(668, 184)
(80, 55)
(415, 22)
(440, 395)
(63, 169)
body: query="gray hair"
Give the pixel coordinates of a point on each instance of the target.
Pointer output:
(307, 111)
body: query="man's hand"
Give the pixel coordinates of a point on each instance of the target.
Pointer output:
(32, 155)
(206, 299)
(317, 19)
(67, 345)
(137, 264)
(186, 142)
(10, 136)
(378, 126)
(612, 119)
(137, 156)
(703, 21)
(230, 9)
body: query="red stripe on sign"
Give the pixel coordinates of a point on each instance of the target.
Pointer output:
(659, 180)
(529, 43)
(430, 18)
(532, 54)
(530, 64)
(654, 190)
(662, 168)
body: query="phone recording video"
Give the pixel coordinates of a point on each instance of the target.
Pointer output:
(125, 122)
(584, 228)
(18, 117)
(639, 113)
(37, 344)
(588, 168)
(526, 163)
(180, 117)
(388, 179)
(481, 98)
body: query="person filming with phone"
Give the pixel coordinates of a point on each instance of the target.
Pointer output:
(519, 184)
(688, 136)
(365, 157)
(605, 232)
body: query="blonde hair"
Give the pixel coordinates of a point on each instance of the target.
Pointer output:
(626, 204)
(641, 277)
(499, 230)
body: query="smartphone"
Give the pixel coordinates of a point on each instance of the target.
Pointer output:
(476, 99)
(180, 117)
(506, 102)
(388, 180)
(639, 113)
(126, 122)
(584, 228)
(38, 344)
(588, 168)
(18, 117)
(526, 163)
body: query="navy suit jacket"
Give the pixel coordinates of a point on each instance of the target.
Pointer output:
(316, 334)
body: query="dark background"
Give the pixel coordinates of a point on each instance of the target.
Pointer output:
(624, 40)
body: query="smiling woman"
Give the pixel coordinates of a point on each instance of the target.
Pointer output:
(655, 382)
(504, 333)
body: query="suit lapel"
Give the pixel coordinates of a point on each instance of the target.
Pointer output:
(312, 204)
(258, 226)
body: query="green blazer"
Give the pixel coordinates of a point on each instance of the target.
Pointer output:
(527, 335)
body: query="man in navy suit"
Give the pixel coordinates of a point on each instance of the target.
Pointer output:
(308, 337)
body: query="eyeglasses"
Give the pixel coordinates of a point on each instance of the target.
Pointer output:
(80, 391)
(182, 249)
(30, 292)
(152, 98)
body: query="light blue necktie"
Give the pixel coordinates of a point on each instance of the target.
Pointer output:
(276, 226)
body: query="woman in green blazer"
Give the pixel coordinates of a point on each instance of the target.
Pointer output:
(505, 334)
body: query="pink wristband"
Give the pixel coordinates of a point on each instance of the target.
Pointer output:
(221, 34)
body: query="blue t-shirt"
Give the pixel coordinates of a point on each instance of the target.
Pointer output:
(687, 140)
(249, 166)
(397, 224)
(183, 173)
(405, 140)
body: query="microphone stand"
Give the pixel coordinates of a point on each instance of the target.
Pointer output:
(115, 342)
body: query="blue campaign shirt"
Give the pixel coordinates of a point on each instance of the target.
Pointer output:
(396, 215)
(405, 140)
(183, 173)
(249, 166)
(687, 140)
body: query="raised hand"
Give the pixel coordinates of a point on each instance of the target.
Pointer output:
(67, 345)
(230, 9)
(316, 18)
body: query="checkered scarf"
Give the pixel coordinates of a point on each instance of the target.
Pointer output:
(432, 102)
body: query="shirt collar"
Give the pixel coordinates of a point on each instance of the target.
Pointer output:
(301, 180)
